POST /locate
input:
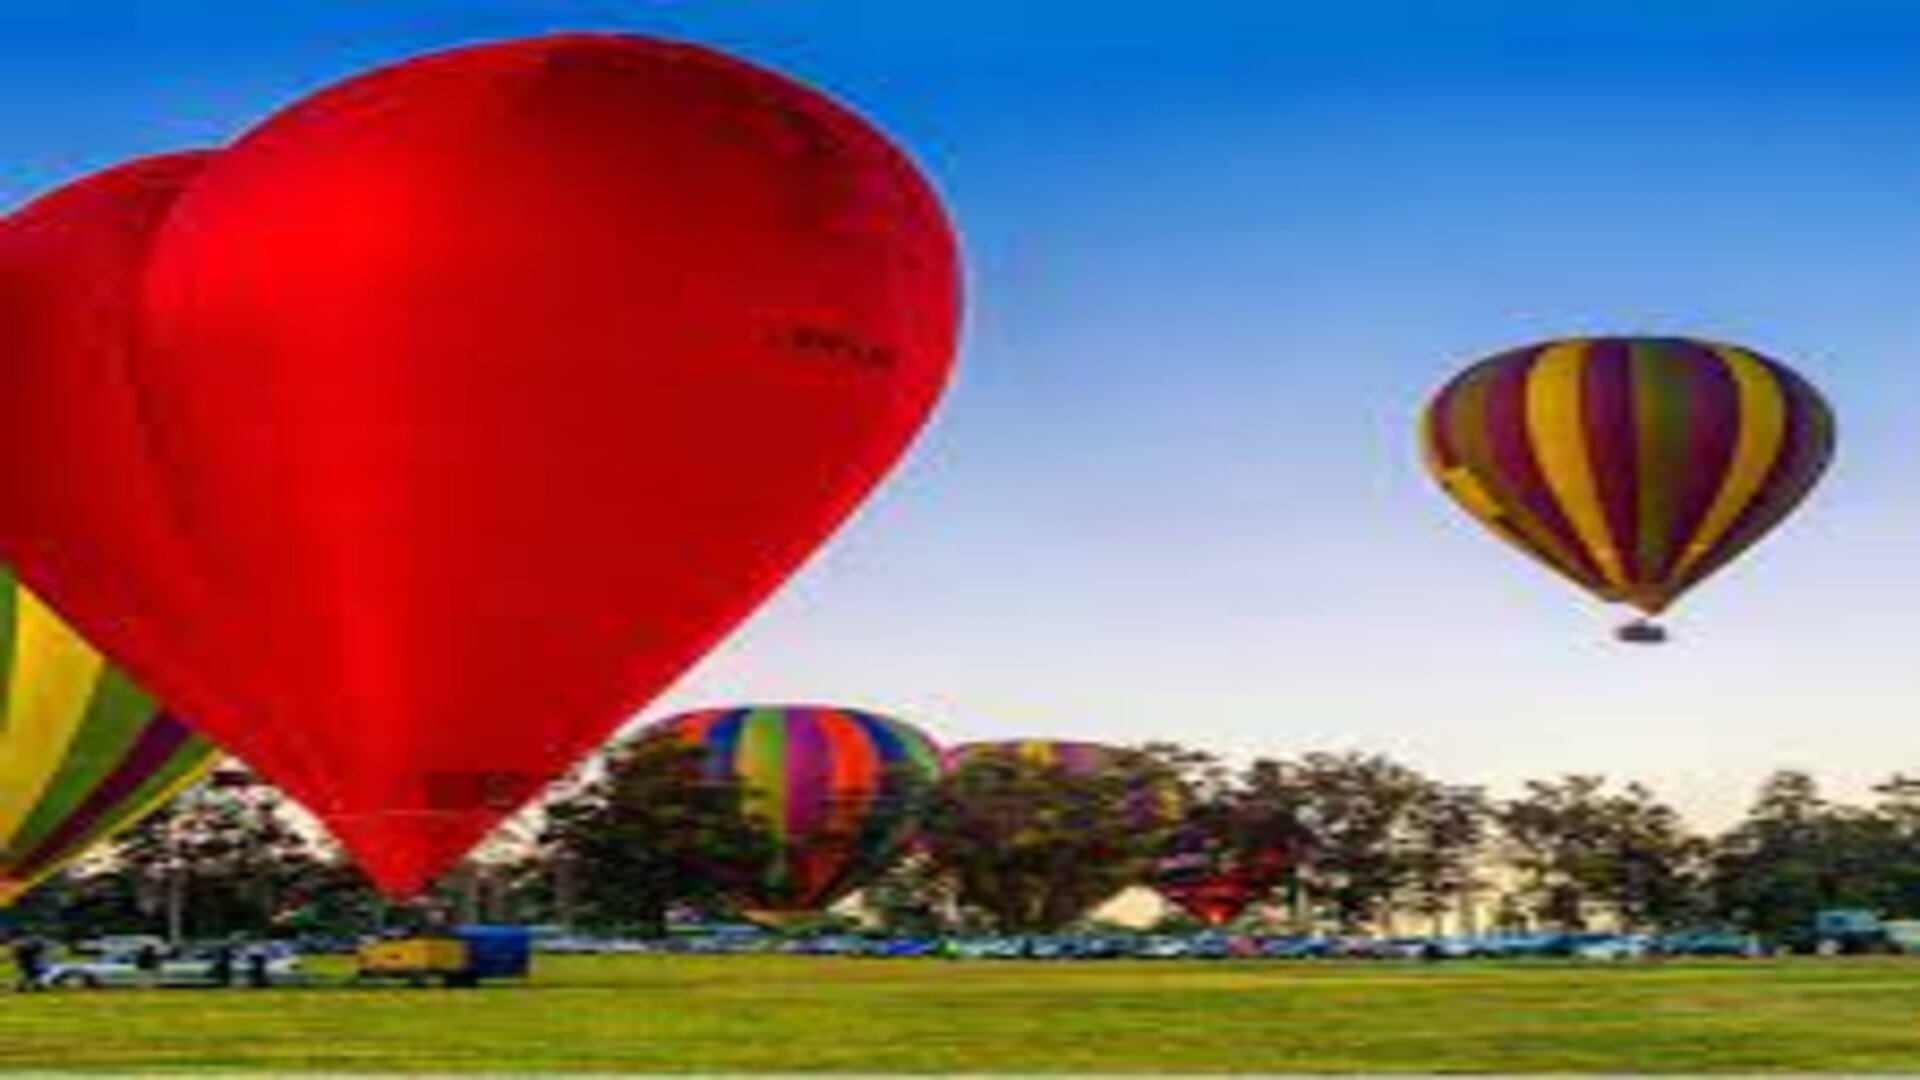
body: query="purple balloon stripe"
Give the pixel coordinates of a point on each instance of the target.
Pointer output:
(809, 773)
(1516, 462)
(1613, 444)
(1805, 450)
(150, 753)
(1713, 436)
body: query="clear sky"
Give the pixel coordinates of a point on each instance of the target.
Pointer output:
(1219, 252)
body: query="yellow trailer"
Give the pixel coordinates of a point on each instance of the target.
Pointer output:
(460, 958)
(416, 960)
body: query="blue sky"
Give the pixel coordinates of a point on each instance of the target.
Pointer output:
(1219, 252)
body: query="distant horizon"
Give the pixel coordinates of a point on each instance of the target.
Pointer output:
(1218, 260)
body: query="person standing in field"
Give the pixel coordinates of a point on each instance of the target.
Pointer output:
(30, 964)
(220, 970)
(257, 974)
(146, 960)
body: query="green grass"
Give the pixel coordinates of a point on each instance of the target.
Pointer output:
(795, 1013)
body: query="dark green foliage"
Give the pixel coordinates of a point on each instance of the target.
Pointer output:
(1797, 854)
(1377, 834)
(1029, 847)
(652, 833)
(1586, 851)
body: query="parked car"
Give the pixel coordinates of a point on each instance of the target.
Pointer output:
(1603, 946)
(829, 945)
(1459, 947)
(570, 945)
(1036, 947)
(1209, 947)
(900, 947)
(1294, 947)
(1163, 947)
(191, 966)
(983, 948)
(1102, 947)
(1518, 946)
(1849, 932)
(1902, 935)
(1350, 948)
(1708, 943)
(1405, 948)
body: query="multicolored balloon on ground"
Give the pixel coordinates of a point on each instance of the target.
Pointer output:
(1634, 466)
(839, 789)
(490, 390)
(83, 753)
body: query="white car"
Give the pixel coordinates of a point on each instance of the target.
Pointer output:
(193, 967)
(1609, 947)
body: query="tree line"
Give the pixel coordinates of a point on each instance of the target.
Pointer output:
(1357, 843)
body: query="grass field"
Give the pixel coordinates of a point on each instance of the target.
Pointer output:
(797, 1013)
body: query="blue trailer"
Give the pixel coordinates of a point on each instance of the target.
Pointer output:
(497, 952)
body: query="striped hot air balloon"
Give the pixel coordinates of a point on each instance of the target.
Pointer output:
(1636, 466)
(83, 753)
(835, 786)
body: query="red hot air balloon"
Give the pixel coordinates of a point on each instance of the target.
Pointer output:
(493, 388)
(1213, 885)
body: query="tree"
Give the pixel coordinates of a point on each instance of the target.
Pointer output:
(78, 903)
(1241, 831)
(1898, 859)
(912, 898)
(1585, 849)
(223, 859)
(1361, 813)
(1659, 875)
(1031, 847)
(1446, 830)
(651, 833)
(1796, 854)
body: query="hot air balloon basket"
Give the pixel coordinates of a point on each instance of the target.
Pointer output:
(1642, 632)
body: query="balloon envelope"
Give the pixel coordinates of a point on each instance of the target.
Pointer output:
(489, 390)
(83, 516)
(83, 753)
(1634, 466)
(836, 787)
